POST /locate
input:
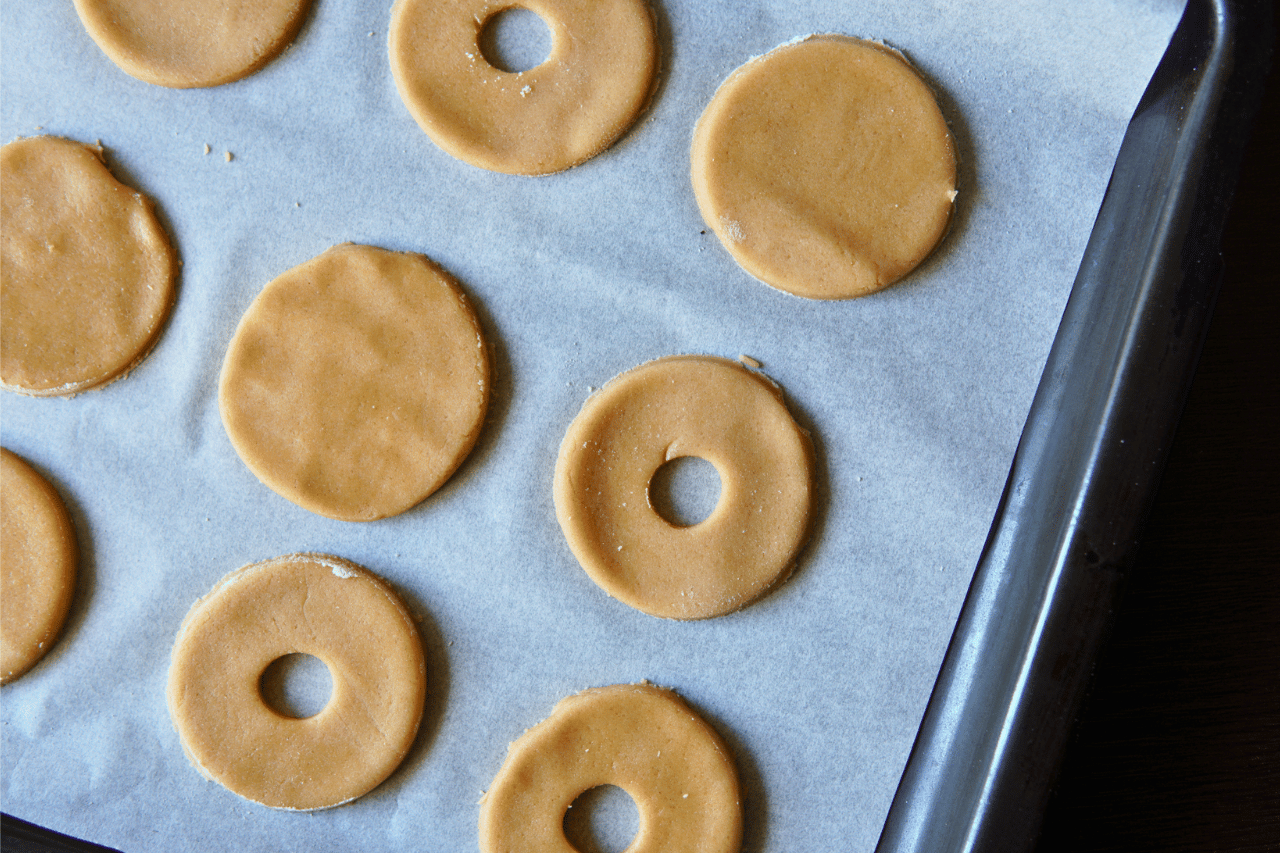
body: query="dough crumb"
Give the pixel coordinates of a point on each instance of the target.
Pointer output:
(227, 156)
(750, 362)
(207, 149)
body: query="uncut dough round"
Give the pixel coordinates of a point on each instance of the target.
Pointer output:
(185, 44)
(308, 604)
(356, 382)
(641, 738)
(38, 557)
(88, 272)
(822, 196)
(598, 78)
(701, 406)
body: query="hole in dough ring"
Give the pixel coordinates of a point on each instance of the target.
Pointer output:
(307, 603)
(38, 557)
(641, 738)
(821, 196)
(596, 81)
(356, 383)
(186, 44)
(702, 406)
(88, 273)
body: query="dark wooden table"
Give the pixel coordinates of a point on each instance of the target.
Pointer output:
(1178, 748)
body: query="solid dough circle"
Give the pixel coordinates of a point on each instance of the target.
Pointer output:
(38, 558)
(311, 604)
(88, 273)
(641, 738)
(597, 80)
(700, 406)
(356, 382)
(187, 44)
(825, 167)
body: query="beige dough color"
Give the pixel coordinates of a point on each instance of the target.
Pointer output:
(825, 167)
(38, 557)
(710, 408)
(310, 604)
(356, 383)
(185, 44)
(641, 738)
(598, 78)
(87, 277)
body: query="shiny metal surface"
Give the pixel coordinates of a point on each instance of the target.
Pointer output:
(1087, 467)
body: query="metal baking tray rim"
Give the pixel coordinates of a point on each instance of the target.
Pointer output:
(1087, 466)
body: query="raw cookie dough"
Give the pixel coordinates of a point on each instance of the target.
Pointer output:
(185, 44)
(711, 408)
(310, 604)
(38, 558)
(825, 167)
(641, 738)
(87, 274)
(598, 78)
(356, 382)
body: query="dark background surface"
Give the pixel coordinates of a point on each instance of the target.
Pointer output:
(1178, 747)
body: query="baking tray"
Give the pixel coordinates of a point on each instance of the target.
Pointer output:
(1025, 574)
(1088, 465)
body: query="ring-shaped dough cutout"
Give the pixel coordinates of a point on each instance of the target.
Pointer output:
(825, 167)
(185, 44)
(641, 738)
(356, 382)
(312, 604)
(87, 275)
(38, 557)
(702, 406)
(597, 80)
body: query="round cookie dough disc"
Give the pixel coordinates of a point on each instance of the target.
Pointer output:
(87, 275)
(186, 44)
(641, 738)
(356, 382)
(825, 167)
(597, 80)
(38, 558)
(710, 408)
(311, 604)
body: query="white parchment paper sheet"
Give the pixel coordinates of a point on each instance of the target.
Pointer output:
(915, 397)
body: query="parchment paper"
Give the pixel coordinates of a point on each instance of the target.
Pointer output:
(915, 397)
